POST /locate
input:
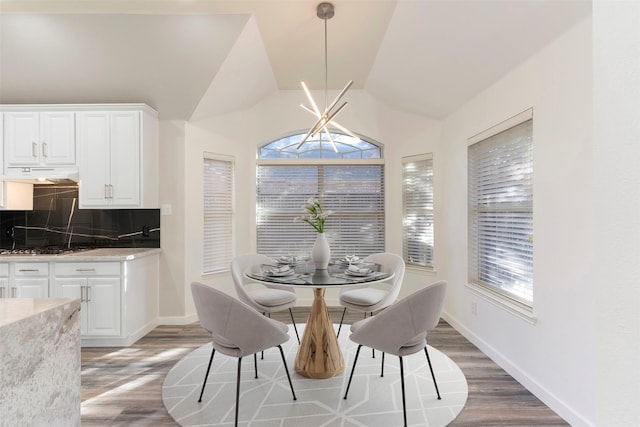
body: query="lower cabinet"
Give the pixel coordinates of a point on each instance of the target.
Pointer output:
(98, 287)
(119, 300)
(29, 280)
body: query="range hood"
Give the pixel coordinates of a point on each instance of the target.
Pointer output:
(42, 175)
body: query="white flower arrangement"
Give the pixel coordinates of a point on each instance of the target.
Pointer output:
(315, 215)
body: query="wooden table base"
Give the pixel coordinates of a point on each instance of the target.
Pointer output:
(319, 355)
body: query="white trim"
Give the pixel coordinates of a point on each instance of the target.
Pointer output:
(177, 320)
(519, 310)
(502, 126)
(417, 158)
(314, 162)
(219, 157)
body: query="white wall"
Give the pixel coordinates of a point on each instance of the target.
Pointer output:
(554, 357)
(617, 209)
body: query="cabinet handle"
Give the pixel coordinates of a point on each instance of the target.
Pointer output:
(88, 294)
(110, 191)
(44, 149)
(34, 149)
(27, 270)
(106, 191)
(14, 291)
(85, 269)
(1, 292)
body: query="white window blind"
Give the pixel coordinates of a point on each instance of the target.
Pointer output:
(500, 185)
(417, 210)
(355, 194)
(218, 214)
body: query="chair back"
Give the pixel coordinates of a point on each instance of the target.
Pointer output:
(395, 264)
(405, 323)
(239, 265)
(235, 323)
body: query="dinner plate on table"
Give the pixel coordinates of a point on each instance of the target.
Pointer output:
(361, 272)
(278, 272)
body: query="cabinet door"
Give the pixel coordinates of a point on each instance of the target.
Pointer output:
(57, 138)
(94, 161)
(22, 138)
(33, 287)
(72, 288)
(4, 287)
(103, 306)
(125, 158)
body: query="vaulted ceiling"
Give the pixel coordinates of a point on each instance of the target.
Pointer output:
(187, 58)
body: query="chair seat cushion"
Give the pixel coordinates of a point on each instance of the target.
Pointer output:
(272, 297)
(364, 297)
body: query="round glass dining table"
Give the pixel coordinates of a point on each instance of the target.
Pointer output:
(319, 354)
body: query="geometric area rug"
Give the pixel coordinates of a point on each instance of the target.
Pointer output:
(373, 401)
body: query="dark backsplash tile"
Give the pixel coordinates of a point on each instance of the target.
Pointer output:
(57, 221)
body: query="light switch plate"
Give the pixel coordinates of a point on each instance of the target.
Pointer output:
(166, 210)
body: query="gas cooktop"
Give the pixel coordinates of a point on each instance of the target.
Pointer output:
(44, 250)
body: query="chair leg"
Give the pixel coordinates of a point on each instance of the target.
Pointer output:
(213, 351)
(341, 319)
(404, 403)
(382, 369)
(432, 374)
(255, 363)
(238, 389)
(284, 361)
(294, 325)
(352, 369)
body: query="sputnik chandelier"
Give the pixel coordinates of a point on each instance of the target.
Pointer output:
(325, 118)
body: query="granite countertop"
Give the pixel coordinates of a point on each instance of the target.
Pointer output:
(102, 254)
(15, 309)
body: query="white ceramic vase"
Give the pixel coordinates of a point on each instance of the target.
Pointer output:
(321, 252)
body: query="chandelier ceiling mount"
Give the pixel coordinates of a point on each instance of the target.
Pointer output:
(325, 11)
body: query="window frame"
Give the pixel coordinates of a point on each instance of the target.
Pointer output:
(338, 240)
(512, 301)
(419, 212)
(228, 217)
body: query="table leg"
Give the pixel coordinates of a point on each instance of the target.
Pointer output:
(319, 355)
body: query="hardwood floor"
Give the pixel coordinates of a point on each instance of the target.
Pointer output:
(123, 386)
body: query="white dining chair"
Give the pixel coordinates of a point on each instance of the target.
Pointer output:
(265, 298)
(401, 330)
(368, 299)
(237, 330)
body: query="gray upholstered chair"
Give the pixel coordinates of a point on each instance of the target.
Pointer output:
(237, 330)
(369, 299)
(266, 299)
(401, 330)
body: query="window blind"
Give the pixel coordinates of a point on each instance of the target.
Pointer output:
(354, 193)
(218, 214)
(417, 210)
(500, 186)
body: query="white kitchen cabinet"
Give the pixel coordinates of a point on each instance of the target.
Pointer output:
(119, 300)
(118, 159)
(33, 138)
(98, 287)
(29, 280)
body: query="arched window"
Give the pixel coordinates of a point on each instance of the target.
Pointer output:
(350, 183)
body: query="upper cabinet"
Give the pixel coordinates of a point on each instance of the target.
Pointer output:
(118, 158)
(33, 138)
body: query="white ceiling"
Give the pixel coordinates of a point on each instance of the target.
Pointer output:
(192, 57)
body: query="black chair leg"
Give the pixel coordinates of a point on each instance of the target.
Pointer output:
(255, 363)
(432, 374)
(286, 369)
(382, 369)
(294, 326)
(404, 403)
(341, 319)
(213, 351)
(238, 389)
(352, 369)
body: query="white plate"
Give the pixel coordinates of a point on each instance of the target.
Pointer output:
(359, 273)
(346, 262)
(279, 273)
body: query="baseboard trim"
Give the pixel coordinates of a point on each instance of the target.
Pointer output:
(538, 390)
(177, 320)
